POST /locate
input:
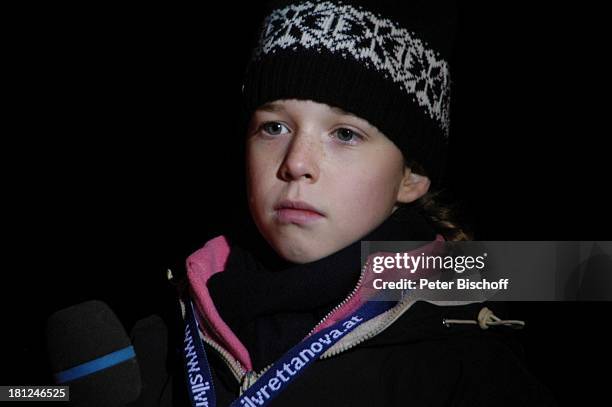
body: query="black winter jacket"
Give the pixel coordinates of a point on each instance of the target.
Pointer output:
(416, 361)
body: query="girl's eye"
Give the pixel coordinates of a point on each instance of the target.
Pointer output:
(274, 128)
(347, 136)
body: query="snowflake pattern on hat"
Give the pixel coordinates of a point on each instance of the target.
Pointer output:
(378, 43)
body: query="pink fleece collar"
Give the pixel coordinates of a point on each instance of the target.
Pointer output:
(211, 259)
(201, 266)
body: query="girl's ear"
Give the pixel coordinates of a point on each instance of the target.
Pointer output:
(412, 187)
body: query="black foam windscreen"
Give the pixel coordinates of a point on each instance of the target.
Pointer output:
(89, 351)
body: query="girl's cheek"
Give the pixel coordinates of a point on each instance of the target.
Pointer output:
(265, 149)
(377, 190)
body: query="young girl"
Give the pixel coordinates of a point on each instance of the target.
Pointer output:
(348, 106)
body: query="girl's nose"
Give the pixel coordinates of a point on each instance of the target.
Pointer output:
(301, 159)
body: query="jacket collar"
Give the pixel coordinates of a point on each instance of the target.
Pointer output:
(212, 258)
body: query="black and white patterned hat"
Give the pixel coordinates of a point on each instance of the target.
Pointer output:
(385, 61)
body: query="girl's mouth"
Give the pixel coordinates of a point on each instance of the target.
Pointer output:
(297, 212)
(290, 215)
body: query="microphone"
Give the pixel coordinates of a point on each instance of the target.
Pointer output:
(90, 352)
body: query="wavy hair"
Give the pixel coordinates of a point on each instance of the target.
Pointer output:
(441, 214)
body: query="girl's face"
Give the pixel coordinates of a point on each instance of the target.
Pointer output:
(346, 174)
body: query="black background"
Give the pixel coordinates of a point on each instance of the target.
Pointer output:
(121, 155)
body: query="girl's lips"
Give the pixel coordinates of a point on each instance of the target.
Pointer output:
(289, 215)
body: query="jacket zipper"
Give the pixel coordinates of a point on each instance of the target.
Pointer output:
(343, 303)
(236, 367)
(251, 377)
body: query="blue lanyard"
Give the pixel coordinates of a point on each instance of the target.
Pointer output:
(199, 379)
(281, 374)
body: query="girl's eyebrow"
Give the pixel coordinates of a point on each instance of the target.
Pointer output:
(274, 107)
(271, 107)
(342, 112)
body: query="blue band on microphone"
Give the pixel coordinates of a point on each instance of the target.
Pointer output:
(95, 365)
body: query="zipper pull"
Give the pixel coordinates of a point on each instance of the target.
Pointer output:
(247, 381)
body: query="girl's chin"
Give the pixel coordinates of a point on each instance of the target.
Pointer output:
(302, 254)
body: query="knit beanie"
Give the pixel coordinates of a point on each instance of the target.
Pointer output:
(384, 61)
